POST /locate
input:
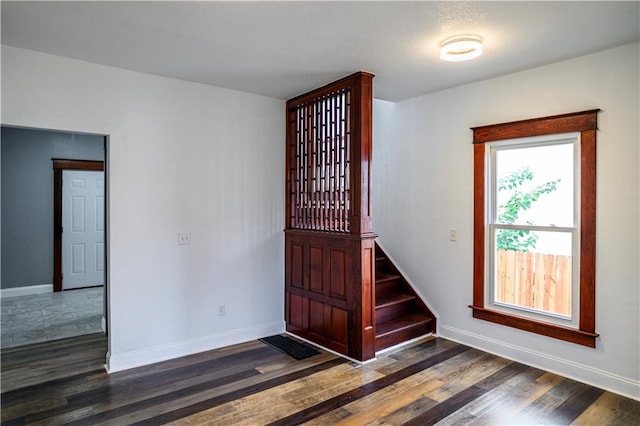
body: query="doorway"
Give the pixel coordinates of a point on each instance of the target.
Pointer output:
(31, 311)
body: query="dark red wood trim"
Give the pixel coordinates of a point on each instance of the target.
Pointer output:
(586, 123)
(363, 150)
(544, 328)
(58, 166)
(78, 164)
(478, 224)
(564, 123)
(340, 84)
(57, 229)
(588, 231)
(336, 235)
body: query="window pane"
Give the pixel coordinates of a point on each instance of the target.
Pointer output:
(534, 185)
(538, 278)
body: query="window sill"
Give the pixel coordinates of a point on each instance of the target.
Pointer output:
(546, 329)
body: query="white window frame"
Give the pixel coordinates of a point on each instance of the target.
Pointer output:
(493, 226)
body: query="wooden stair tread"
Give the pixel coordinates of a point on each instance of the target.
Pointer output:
(381, 278)
(384, 300)
(401, 323)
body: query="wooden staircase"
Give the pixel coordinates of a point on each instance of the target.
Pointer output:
(401, 314)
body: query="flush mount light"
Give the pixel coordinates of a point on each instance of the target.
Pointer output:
(460, 48)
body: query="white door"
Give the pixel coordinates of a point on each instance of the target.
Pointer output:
(82, 229)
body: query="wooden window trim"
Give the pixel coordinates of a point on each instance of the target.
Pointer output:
(586, 123)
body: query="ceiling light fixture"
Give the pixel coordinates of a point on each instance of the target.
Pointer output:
(461, 48)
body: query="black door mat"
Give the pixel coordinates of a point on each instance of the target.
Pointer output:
(289, 346)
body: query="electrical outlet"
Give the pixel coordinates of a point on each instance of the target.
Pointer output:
(453, 235)
(221, 310)
(184, 238)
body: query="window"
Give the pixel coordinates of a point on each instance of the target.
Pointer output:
(534, 225)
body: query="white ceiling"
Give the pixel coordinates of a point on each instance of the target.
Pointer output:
(282, 49)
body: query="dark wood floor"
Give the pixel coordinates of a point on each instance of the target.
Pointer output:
(63, 382)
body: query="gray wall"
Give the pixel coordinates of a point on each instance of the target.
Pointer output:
(27, 199)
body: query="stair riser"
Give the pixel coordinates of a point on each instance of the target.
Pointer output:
(388, 287)
(395, 311)
(381, 266)
(400, 336)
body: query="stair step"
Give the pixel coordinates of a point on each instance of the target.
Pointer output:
(401, 315)
(402, 323)
(389, 299)
(381, 278)
(398, 330)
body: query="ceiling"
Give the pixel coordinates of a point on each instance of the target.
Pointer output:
(282, 49)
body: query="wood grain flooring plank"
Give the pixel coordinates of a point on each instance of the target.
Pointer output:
(174, 363)
(151, 390)
(431, 381)
(610, 409)
(93, 353)
(312, 394)
(114, 392)
(387, 402)
(502, 402)
(41, 374)
(333, 403)
(391, 398)
(240, 385)
(35, 350)
(248, 406)
(414, 354)
(240, 393)
(22, 394)
(32, 406)
(103, 416)
(125, 389)
(288, 398)
(464, 397)
(542, 407)
(464, 376)
(575, 405)
(331, 418)
(406, 413)
(501, 376)
(445, 408)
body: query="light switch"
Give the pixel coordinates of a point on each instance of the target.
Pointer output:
(453, 235)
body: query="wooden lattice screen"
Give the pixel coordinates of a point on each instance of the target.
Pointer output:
(319, 164)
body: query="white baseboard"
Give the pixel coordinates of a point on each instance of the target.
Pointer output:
(124, 361)
(26, 290)
(564, 367)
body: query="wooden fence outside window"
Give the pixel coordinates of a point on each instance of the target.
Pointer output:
(534, 280)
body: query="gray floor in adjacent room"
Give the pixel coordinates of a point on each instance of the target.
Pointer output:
(50, 316)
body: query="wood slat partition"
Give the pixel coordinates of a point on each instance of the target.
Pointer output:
(319, 163)
(329, 244)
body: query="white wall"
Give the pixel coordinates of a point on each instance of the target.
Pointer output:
(423, 186)
(183, 157)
